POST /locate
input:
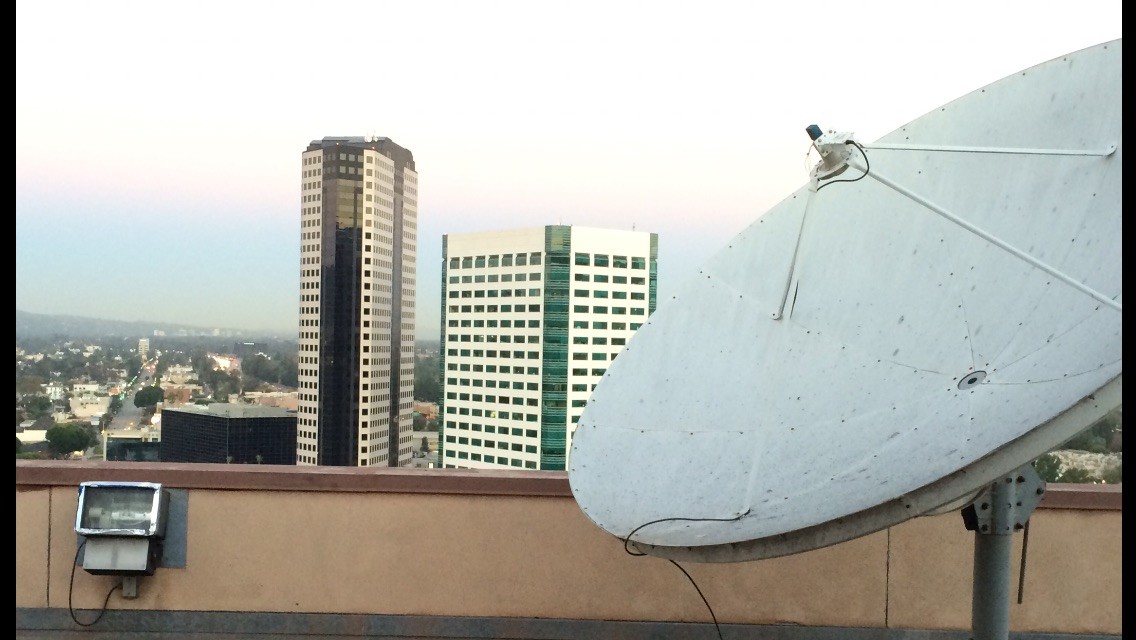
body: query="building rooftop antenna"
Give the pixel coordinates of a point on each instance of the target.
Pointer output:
(902, 336)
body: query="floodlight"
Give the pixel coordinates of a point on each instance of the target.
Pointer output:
(124, 524)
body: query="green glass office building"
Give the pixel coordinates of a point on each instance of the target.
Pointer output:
(531, 318)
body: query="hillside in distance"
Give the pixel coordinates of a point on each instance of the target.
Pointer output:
(38, 325)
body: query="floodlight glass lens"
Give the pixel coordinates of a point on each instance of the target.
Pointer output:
(118, 508)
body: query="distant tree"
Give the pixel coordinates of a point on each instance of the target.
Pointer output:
(66, 438)
(19, 446)
(37, 407)
(425, 445)
(1077, 475)
(115, 404)
(148, 397)
(419, 422)
(280, 369)
(30, 385)
(1113, 475)
(427, 374)
(1048, 467)
(289, 370)
(1098, 438)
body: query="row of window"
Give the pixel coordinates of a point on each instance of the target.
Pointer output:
(493, 277)
(535, 324)
(477, 457)
(505, 323)
(492, 308)
(602, 260)
(514, 431)
(520, 293)
(487, 368)
(599, 277)
(522, 259)
(477, 397)
(493, 413)
(619, 311)
(492, 353)
(495, 293)
(465, 337)
(594, 356)
(479, 337)
(492, 444)
(506, 260)
(505, 384)
(603, 293)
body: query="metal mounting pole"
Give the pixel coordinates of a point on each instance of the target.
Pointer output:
(1003, 508)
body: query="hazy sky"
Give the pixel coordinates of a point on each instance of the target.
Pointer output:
(158, 144)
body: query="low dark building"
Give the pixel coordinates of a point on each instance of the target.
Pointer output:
(229, 433)
(132, 450)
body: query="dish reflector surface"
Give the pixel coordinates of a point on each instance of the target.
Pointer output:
(913, 360)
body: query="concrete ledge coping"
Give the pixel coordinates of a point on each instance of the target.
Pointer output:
(503, 482)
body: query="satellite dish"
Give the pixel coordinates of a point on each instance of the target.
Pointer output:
(928, 314)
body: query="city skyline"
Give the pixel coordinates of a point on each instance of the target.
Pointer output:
(133, 203)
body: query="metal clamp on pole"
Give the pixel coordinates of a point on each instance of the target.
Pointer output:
(1001, 509)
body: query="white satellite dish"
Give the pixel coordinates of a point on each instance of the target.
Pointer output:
(931, 312)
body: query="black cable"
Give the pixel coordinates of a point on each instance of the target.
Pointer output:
(627, 539)
(71, 589)
(867, 166)
(706, 602)
(1022, 569)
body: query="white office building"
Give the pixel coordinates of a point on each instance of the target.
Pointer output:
(531, 318)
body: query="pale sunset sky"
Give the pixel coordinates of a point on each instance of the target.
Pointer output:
(158, 144)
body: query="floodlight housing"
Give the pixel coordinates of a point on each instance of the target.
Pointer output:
(124, 524)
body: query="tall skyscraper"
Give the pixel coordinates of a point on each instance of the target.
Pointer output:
(358, 241)
(531, 319)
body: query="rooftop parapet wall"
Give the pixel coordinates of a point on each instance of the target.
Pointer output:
(514, 544)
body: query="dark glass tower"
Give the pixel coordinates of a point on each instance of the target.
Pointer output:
(358, 241)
